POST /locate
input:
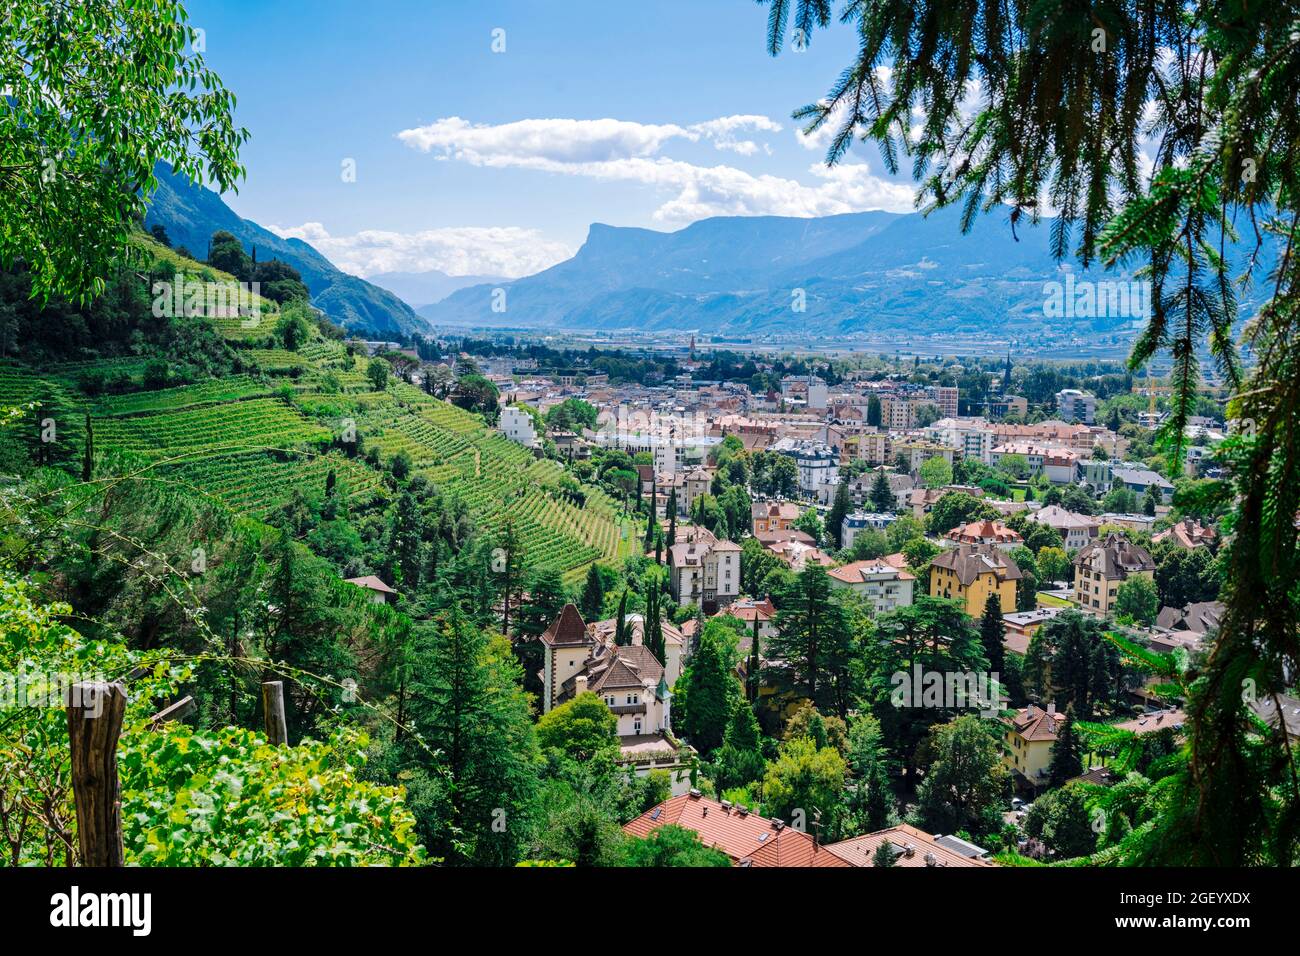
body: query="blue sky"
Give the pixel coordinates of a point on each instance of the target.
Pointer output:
(473, 161)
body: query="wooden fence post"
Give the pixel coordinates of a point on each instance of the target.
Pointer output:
(95, 715)
(277, 731)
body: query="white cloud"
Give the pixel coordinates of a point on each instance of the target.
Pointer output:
(508, 251)
(619, 151)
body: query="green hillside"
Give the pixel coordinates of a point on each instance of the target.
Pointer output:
(283, 426)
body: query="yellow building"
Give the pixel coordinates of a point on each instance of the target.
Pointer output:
(1101, 567)
(1030, 737)
(971, 574)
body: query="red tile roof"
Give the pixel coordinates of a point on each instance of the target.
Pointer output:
(912, 847)
(568, 628)
(750, 840)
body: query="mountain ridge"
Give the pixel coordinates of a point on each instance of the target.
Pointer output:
(191, 213)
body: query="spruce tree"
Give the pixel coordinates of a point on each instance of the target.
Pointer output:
(1066, 763)
(882, 496)
(991, 633)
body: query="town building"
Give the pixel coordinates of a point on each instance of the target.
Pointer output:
(817, 462)
(970, 574)
(1102, 566)
(704, 571)
(1076, 406)
(1188, 534)
(988, 533)
(883, 586)
(855, 522)
(773, 516)
(1030, 737)
(517, 425)
(1076, 530)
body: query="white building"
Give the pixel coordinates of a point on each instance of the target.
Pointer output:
(517, 425)
(855, 522)
(972, 437)
(817, 462)
(704, 571)
(632, 682)
(1076, 530)
(884, 586)
(1076, 406)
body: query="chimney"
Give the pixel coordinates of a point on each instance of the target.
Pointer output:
(579, 685)
(1051, 707)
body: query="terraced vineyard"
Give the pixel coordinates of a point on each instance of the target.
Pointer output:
(255, 483)
(256, 422)
(183, 396)
(231, 439)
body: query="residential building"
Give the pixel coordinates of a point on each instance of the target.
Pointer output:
(704, 571)
(817, 461)
(987, 533)
(697, 482)
(882, 585)
(970, 574)
(632, 682)
(809, 389)
(1030, 737)
(773, 516)
(1019, 626)
(857, 521)
(1138, 479)
(1102, 566)
(1076, 530)
(749, 611)
(380, 593)
(1188, 534)
(517, 425)
(971, 437)
(1076, 406)
(917, 451)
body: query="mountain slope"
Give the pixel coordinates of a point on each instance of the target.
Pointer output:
(190, 214)
(859, 272)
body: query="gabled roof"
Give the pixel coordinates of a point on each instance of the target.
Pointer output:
(912, 847)
(750, 840)
(370, 583)
(1201, 617)
(566, 630)
(983, 531)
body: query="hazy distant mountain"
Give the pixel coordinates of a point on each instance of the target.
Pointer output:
(191, 214)
(418, 289)
(857, 272)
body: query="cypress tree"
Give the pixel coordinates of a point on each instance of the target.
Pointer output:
(620, 626)
(593, 595)
(88, 460)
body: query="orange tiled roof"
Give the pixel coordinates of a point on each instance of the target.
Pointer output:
(750, 840)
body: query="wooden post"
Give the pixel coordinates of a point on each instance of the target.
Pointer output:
(176, 711)
(277, 731)
(94, 724)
